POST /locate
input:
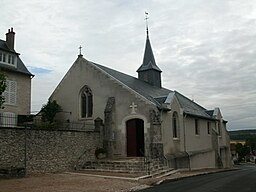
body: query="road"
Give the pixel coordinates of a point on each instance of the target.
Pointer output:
(242, 180)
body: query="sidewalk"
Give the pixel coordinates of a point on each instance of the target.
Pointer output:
(88, 181)
(147, 181)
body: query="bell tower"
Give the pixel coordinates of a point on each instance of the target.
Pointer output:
(149, 71)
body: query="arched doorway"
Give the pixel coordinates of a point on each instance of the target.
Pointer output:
(135, 138)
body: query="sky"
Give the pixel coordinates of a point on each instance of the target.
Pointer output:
(206, 49)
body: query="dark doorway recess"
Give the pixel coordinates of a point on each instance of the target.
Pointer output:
(135, 138)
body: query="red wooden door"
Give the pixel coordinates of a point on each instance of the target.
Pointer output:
(135, 138)
(131, 132)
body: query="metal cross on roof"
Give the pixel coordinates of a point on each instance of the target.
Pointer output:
(80, 50)
(146, 18)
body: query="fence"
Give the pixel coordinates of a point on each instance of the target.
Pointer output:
(9, 120)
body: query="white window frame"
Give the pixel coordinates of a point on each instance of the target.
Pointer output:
(175, 126)
(8, 59)
(86, 91)
(10, 92)
(197, 127)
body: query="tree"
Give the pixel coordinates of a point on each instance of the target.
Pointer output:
(2, 88)
(50, 110)
(251, 143)
(243, 151)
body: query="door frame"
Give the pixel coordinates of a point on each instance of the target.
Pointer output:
(136, 130)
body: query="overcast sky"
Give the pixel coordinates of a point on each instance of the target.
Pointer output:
(206, 49)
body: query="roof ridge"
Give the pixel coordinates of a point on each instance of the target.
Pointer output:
(189, 100)
(124, 85)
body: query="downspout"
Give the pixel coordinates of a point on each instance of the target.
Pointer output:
(185, 145)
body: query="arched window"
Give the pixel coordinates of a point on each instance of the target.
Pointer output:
(86, 102)
(175, 125)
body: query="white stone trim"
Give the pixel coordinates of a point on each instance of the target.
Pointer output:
(134, 116)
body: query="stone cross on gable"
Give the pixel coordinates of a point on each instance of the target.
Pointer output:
(133, 107)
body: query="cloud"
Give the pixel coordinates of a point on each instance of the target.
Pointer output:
(206, 50)
(38, 70)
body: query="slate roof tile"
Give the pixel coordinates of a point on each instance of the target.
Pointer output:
(21, 68)
(155, 94)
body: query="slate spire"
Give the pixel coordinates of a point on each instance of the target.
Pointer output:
(149, 71)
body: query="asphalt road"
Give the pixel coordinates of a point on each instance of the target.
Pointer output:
(242, 180)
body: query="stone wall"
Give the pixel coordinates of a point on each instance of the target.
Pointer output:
(40, 151)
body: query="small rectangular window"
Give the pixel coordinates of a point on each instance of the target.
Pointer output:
(1, 56)
(196, 127)
(4, 57)
(219, 129)
(208, 128)
(9, 58)
(13, 59)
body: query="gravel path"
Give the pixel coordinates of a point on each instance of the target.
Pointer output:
(79, 182)
(65, 183)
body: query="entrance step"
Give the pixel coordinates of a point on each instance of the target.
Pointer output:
(135, 165)
(127, 165)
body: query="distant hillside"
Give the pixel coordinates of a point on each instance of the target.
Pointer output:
(242, 134)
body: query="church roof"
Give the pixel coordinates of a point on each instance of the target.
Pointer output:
(155, 94)
(145, 89)
(190, 107)
(21, 68)
(149, 59)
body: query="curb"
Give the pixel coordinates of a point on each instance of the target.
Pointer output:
(102, 176)
(160, 175)
(193, 175)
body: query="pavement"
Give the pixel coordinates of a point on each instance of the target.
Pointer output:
(146, 181)
(87, 181)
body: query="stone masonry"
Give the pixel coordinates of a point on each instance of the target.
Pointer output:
(40, 151)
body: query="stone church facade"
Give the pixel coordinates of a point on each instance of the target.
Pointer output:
(140, 117)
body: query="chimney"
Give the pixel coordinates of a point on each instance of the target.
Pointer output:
(10, 37)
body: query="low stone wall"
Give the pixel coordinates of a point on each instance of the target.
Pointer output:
(40, 151)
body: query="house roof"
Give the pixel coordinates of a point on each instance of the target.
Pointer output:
(155, 94)
(4, 47)
(21, 68)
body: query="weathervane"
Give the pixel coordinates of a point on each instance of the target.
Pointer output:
(80, 51)
(146, 18)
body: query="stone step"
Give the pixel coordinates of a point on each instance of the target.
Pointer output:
(127, 166)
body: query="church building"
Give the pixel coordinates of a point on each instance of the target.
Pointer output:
(140, 117)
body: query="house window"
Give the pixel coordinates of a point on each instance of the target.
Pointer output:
(86, 102)
(208, 128)
(10, 92)
(218, 128)
(13, 60)
(197, 131)
(175, 125)
(4, 57)
(8, 59)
